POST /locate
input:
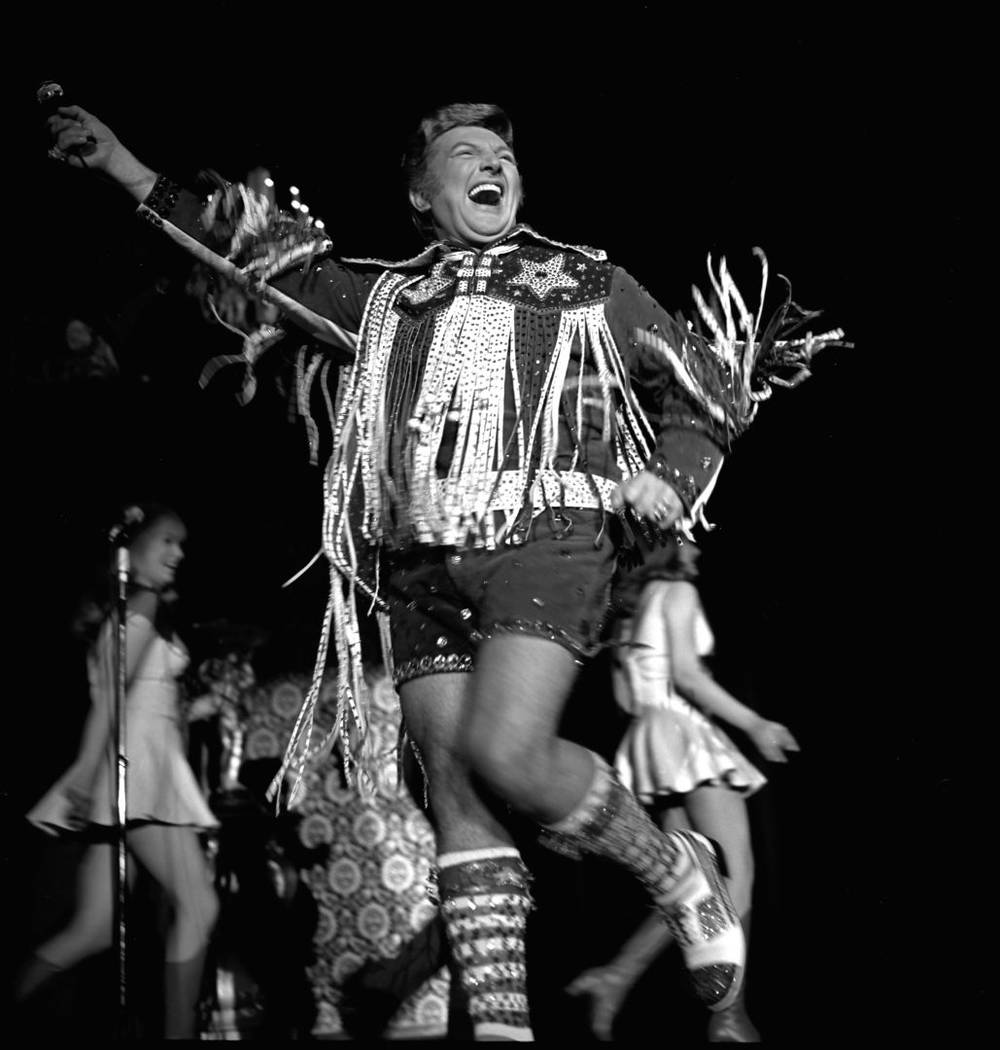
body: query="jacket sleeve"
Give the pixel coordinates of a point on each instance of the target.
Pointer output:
(322, 284)
(689, 444)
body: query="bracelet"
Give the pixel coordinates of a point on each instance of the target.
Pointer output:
(162, 198)
(683, 484)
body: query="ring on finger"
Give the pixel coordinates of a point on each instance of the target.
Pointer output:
(56, 153)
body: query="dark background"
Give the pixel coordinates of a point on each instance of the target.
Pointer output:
(659, 143)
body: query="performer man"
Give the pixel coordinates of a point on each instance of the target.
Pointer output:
(500, 434)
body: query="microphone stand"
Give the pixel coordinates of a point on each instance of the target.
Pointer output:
(119, 875)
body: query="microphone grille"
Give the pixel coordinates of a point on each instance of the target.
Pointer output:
(48, 91)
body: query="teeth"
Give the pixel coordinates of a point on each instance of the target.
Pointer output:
(485, 187)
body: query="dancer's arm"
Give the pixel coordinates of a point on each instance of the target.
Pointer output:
(681, 608)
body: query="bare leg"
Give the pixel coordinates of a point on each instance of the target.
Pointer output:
(173, 857)
(510, 738)
(721, 814)
(510, 730)
(89, 930)
(433, 710)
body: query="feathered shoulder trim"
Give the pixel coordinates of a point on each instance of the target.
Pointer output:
(726, 359)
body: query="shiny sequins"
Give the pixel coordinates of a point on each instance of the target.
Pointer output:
(543, 276)
(712, 983)
(441, 663)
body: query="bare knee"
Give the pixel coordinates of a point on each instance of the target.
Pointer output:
(511, 768)
(91, 931)
(208, 910)
(198, 911)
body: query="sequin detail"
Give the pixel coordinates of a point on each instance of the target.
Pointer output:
(544, 276)
(713, 983)
(684, 485)
(440, 663)
(539, 629)
(485, 905)
(162, 198)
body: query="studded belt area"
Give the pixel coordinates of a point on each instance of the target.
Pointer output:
(550, 487)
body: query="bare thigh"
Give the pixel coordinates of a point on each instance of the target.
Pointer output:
(510, 732)
(173, 856)
(463, 817)
(721, 814)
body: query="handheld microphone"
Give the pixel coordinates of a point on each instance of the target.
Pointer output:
(50, 96)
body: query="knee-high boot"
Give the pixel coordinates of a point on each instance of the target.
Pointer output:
(485, 901)
(679, 871)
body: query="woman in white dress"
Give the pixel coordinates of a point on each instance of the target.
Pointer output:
(676, 759)
(165, 808)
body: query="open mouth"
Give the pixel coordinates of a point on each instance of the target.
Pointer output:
(488, 194)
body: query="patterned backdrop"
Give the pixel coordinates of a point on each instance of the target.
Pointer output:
(371, 892)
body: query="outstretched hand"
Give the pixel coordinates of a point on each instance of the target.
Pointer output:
(772, 740)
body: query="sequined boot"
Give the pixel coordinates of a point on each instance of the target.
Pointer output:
(485, 902)
(678, 869)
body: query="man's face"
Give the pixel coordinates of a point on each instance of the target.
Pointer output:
(473, 188)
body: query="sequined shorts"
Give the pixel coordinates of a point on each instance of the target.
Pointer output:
(555, 584)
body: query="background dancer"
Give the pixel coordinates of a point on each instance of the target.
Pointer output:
(165, 807)
(679, 762)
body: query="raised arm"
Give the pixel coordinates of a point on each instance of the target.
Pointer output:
(83, 141)
(309, 286)
(681, 608)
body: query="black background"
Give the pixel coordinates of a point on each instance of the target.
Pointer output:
(659, 142)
